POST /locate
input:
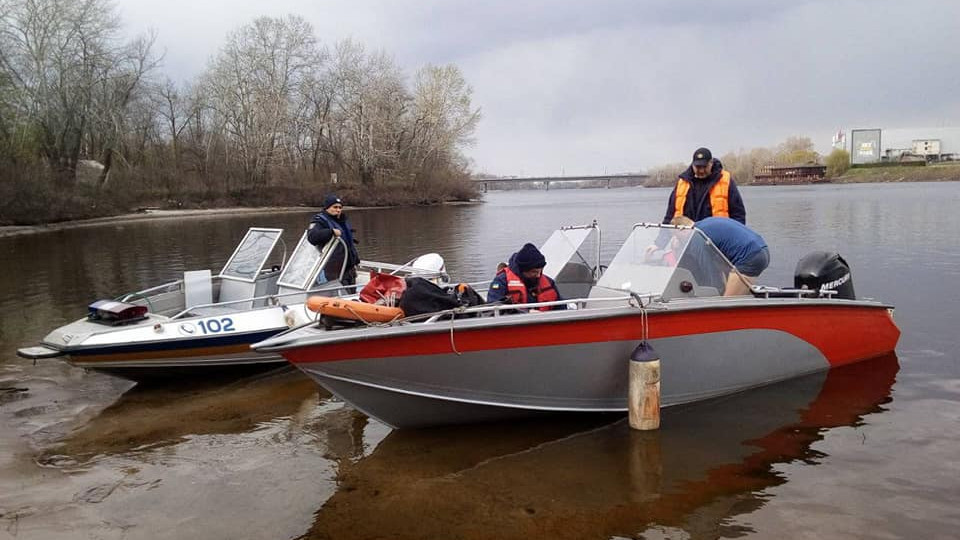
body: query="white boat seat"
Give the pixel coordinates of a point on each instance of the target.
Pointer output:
(197, 287)
(234, 290)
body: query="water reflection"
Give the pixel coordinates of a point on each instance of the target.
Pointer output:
(148, 418)
(568, 480)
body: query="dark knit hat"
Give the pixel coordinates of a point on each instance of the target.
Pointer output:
(529, 257)
(331, 200)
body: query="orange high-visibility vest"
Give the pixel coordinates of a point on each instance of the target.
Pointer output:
(517, 291)
(719, 196)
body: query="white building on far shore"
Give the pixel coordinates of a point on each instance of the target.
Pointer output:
(897, 144)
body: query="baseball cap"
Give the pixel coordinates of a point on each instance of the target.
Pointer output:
(702, 156)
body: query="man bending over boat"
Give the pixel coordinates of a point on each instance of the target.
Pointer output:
(744, 248)
(522, 281)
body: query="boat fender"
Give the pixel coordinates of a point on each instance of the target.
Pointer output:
(643, 403)
(353, 310)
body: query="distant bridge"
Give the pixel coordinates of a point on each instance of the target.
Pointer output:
(543, 182)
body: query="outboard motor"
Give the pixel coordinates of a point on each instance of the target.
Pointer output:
(824, 270)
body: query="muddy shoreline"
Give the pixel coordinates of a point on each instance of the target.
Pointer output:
(14, 230)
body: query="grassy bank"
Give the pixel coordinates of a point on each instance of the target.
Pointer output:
(940, 172)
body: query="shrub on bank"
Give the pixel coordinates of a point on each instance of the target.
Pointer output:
(838, 162)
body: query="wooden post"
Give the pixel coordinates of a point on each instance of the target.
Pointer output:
(644, 394)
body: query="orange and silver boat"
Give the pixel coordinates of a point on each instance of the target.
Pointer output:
(500, 361)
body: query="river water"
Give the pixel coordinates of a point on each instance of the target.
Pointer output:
(869, 451)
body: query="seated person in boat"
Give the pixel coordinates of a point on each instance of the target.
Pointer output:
(743, 247)
(332, 221)
(522, 281)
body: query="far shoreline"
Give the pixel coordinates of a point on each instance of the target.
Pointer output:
(160, 214)
(854, 176)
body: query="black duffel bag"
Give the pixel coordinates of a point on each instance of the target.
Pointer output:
(424, 296)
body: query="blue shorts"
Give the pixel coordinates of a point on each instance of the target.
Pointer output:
(755, 264)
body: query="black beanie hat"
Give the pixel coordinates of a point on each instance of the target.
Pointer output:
(331, 200)
(529, 257)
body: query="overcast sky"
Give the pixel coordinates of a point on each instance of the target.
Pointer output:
(577, 87)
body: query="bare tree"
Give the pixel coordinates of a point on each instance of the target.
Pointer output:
(61, 59)
(368, 101)
(255, 85)
(796, 150)
(116, 89)
(175, 110)
(443, 119)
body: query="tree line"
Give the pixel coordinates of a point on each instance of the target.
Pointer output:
(89, 125)
(745, 164)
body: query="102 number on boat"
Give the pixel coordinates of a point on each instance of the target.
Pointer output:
(215, 326)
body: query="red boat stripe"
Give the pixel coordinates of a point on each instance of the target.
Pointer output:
(842, 334)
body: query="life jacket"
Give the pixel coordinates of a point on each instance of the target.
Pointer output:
(517, 291)
(719, 196)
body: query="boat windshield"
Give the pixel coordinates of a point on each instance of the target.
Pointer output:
(667, 262)
(301, 269)
(252, 253)
(572, 255)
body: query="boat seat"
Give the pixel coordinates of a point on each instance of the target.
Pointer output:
(574, 280)
(231, 289)
(673, 288)
(197, 287)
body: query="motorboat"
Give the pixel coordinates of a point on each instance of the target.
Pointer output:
(206, 323)
(494, 362)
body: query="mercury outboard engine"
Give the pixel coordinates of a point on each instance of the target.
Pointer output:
(824, 270)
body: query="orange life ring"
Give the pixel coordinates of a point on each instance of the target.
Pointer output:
(353, 310)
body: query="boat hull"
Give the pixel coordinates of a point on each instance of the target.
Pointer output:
(418, 376)
(160, 348)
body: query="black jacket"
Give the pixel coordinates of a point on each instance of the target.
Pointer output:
(697, 206)
(320, 232)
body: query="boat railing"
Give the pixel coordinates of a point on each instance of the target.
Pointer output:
(765, 291)
(169, 287)
(333, 286)
(497, 310)
(405, 269)
(172, 286)
(270, 299)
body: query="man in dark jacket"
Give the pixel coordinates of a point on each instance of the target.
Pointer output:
(705, 190)
(329, 223)
(522, 281)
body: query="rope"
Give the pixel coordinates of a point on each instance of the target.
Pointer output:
(371, 323)
(644, 322)
(453, 344)
(644, 317)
